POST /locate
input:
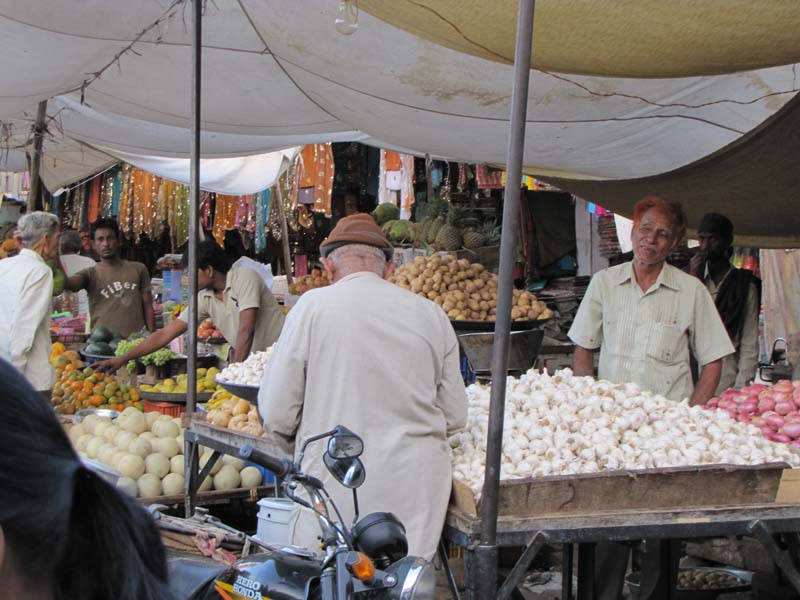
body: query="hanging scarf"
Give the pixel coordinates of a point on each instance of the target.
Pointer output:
(262, 212)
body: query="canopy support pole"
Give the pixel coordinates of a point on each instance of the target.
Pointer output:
(508, 251)
(287, 254)
(194, 227)
(36, 159)
(429, 178)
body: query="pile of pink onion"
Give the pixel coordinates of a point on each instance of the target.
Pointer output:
(774, 409)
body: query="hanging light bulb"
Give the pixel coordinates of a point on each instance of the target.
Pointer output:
(347, 17)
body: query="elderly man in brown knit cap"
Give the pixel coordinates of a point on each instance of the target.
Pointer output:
(381, 361)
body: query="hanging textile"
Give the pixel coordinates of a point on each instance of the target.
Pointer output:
(315, 171)
(179, 215)
(489, 179)
(407, 196)
(205, 210)
(288, 182)
(93, 203)
(262, 212)
(225, 217)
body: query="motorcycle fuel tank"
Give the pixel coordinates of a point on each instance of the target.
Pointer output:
(277, 575)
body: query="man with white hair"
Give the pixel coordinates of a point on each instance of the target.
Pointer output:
(381, 361)
(26, 299)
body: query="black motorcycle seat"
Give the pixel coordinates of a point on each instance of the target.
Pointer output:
(189, 575)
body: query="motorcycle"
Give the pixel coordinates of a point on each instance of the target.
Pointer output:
(366, 560)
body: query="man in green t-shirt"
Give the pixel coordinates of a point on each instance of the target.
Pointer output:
(236, 299)
(120, 296)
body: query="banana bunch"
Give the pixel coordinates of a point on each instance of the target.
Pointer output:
(219, 397)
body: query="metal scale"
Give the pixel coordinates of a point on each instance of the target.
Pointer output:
(778, 366)
(522, 352)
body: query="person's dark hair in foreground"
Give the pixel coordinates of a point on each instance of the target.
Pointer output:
(66, 534)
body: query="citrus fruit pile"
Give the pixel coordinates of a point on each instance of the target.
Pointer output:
(78, 388)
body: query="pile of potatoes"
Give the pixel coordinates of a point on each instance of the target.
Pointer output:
(466, 291)
(147, 450)
(238, 415)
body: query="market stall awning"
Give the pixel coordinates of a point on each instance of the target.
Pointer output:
(278, 74)
(755, 181)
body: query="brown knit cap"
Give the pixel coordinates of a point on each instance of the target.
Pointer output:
(359, 228)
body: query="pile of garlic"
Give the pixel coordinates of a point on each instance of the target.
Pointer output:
(562, 424)
(249, 372)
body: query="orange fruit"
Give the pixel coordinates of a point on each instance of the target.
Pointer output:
(76, 386)
(69, 367)
(96, 400)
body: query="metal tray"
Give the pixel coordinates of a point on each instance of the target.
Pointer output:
(488, 326)
(95, 357)
(632, 581)
(248, 392)
(174, 397)
(100, 412)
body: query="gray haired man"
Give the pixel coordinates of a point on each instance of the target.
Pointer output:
(26, 285)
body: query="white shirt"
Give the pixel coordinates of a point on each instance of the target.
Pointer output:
(73, 263)
(645, 337)
(26, 300)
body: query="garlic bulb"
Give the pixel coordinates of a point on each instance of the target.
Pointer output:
(562, 424)
(249, 372)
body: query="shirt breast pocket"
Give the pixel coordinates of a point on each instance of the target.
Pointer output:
(664, 342)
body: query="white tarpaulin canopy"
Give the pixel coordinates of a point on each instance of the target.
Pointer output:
(278, 74)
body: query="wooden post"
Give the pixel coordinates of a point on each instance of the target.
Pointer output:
(36, 159)
(287, 255)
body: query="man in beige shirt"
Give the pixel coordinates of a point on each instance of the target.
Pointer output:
(235, 299)
(645, 316)
(369, 355)
(735, 295)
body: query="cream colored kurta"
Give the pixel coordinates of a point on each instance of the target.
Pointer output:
(645, 337)
(383, 362)
(739, 368)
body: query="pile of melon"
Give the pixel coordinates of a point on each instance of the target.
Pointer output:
(147, 450)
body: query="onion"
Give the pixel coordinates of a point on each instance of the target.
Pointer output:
(748, 407)
(783, 386)
(713, 402)
(767, 431)
(781, 437)
(791, 429)
(766, 403)
(774, 421)
(724, 402)
(759, 421)
(796, 400)
(784, 407)
(795, 443)
(745, 418)
(757, 387)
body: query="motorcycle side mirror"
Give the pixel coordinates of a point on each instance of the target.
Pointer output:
(345, 444)
(348, 471)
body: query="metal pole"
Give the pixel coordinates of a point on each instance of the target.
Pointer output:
(505, 285)
(287, 254)
(36, 159)
(194, 226)
(429, 178)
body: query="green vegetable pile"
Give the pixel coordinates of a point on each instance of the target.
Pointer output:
(160, 357)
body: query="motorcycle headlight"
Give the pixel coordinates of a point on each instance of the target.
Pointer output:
(416, 579)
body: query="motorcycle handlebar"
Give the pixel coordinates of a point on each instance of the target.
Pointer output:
(280, 466)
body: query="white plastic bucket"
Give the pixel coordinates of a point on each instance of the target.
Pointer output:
(273, 520)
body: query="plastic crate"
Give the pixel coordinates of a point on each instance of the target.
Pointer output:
(165, 408)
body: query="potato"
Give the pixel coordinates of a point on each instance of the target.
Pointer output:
(242, 407)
